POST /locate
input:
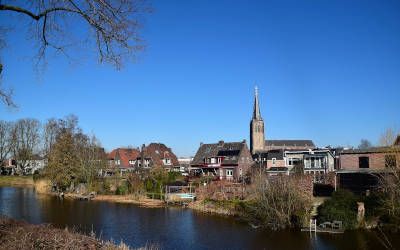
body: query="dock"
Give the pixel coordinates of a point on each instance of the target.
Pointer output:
(322, 230)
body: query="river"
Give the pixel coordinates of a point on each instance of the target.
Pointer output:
(169, 228)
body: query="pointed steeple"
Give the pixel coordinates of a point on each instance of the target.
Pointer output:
(256, 110)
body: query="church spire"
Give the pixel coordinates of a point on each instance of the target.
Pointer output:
(256, 110)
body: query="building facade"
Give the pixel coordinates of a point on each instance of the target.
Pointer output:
(223, 160)
(360, 170)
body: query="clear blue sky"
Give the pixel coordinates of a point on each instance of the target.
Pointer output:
(327, 71)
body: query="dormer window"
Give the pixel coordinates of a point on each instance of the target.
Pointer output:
(117, 162)
(167, 161)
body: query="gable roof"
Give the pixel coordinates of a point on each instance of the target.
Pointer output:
(159, 151)
(290, 143)
(229, 150)
(124, 155)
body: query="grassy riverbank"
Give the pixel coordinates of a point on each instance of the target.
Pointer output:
(21, 235)
(13, 180)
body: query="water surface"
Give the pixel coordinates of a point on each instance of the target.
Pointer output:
(170, 228)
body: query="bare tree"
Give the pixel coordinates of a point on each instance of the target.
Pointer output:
(50, 131)
(25, 140)
(390, 184)
(113, 26)
(5, 140)
(388, 137)
(279, 202)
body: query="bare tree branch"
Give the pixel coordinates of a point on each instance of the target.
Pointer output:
(114, 26)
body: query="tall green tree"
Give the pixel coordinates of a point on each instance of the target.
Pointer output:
(63, 163)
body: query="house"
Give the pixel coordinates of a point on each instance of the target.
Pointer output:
(312, 161)
(8, 167)
(184, 164)
(35, 164)
(122, 159)
(269, 159)
(360, 169)
(157, 154)
(224, 160)
(397, 141)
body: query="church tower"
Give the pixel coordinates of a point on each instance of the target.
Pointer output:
(257, 137)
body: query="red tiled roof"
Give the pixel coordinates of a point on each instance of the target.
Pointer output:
(124, 155)
(157, 152)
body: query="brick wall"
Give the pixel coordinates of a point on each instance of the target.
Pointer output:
(278, 163)
(351, 161)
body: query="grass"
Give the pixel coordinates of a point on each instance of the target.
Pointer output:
(21, 235)
(13, 180)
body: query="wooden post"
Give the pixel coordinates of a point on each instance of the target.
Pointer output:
(335, 182)
(315, 225)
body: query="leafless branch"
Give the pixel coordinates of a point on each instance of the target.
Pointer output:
(114, 25)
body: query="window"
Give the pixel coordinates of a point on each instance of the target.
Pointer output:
(229, 172)
(213, 161)
(390, 161)
(273, 161)
(167, 161)
(363, 162)
(117, 162)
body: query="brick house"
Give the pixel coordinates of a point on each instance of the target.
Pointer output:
(269, 159)
(157, 154)
(122, 159)
(224, 160)
(359, 169)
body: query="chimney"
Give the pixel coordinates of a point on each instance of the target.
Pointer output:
(244, 141)
(221, 143)
(201, 144)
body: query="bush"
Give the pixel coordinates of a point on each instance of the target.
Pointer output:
(122, 189)
(342, 207)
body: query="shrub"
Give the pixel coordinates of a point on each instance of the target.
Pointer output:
(342, 207)
(277, 203)
(122, 189)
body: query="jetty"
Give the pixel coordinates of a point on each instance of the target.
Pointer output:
(335, 227)
(181, 195)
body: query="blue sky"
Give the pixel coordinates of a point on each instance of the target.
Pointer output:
(326, 70)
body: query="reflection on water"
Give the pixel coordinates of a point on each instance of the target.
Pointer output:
(170, 228)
